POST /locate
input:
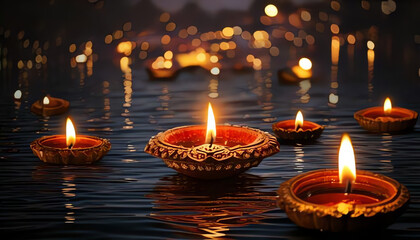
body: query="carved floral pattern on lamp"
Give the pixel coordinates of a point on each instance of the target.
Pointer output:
(198, 152)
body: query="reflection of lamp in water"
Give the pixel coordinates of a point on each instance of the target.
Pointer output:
(335, 50)
(210, 211)
(371, 61)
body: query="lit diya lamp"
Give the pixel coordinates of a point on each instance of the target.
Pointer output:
(49, 106)
(69, 149)
(343, 200)
(297, 73)
(298, 130)
(386, 118)
(199, 152)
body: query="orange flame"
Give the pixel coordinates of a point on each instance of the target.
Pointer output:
(387, 106)
(346, 160)
(211, 126)
(299, 120)
(70, 134)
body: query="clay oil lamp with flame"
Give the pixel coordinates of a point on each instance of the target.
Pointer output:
(212, 152)
(344, 200)
(49, 106)
(298, 130)
(297, 73)
(69, 149)
(386, 118)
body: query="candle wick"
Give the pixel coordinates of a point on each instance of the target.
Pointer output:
(297, 127)
(70, 146)
(211, 141)
(348, 188)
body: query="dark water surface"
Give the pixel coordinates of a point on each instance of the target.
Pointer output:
(132, 195)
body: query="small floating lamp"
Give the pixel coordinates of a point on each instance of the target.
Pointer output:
(297, 73)
(69, 149)
(49, 106)
(298, 130)
(386, 118)
(343, 200)
(201, 152)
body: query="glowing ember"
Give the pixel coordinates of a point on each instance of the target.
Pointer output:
(387, 106)
(346, 160)
(211, 126)
(70, 134)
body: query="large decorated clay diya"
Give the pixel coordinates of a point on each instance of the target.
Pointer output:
(386, 118)
(69, 149)
(343, 200)
(199, 152)
(49, 106)
(298, 130)
(297, 73)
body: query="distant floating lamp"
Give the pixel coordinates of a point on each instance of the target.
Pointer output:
(298, 130)
(297, 73)
(49, 106)
(387, 118)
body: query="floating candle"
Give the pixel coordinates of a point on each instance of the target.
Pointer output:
(49, 106)
(69, 149)
(203, 152)
(297, 73)
(298, 130)
(386, 118)
(343, 200)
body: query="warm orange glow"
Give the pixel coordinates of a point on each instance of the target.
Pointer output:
(346, 160)
(70, 134)
(387, 106)
(46, 100)
(299, 120)
(335, 50)
(211, 126)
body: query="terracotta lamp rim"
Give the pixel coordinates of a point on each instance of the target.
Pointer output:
(314, 126)
(41, 141)
(202, 160)
(74, 156)
(397, 199)
(57, 106)
(386, 123)
(410, 114)
(228, 152)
